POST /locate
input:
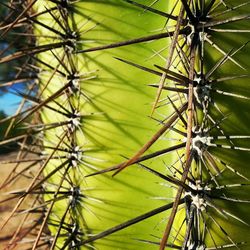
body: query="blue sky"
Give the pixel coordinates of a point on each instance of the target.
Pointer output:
(9, 103)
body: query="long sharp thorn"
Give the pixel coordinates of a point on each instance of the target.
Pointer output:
(155, 137)
(189, 152)
(177, 111)
(188, 11)
(30, 185)
(229, 20)
(133, 41)
(169, 60)
(19, 17)
(178, 76)
(130, 222)
(140, 159)
(178, 90)
(139, 66)
(147, 8)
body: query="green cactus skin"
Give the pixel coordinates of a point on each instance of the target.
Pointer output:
(100, 66)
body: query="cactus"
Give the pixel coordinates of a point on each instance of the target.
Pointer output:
(134, 124)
